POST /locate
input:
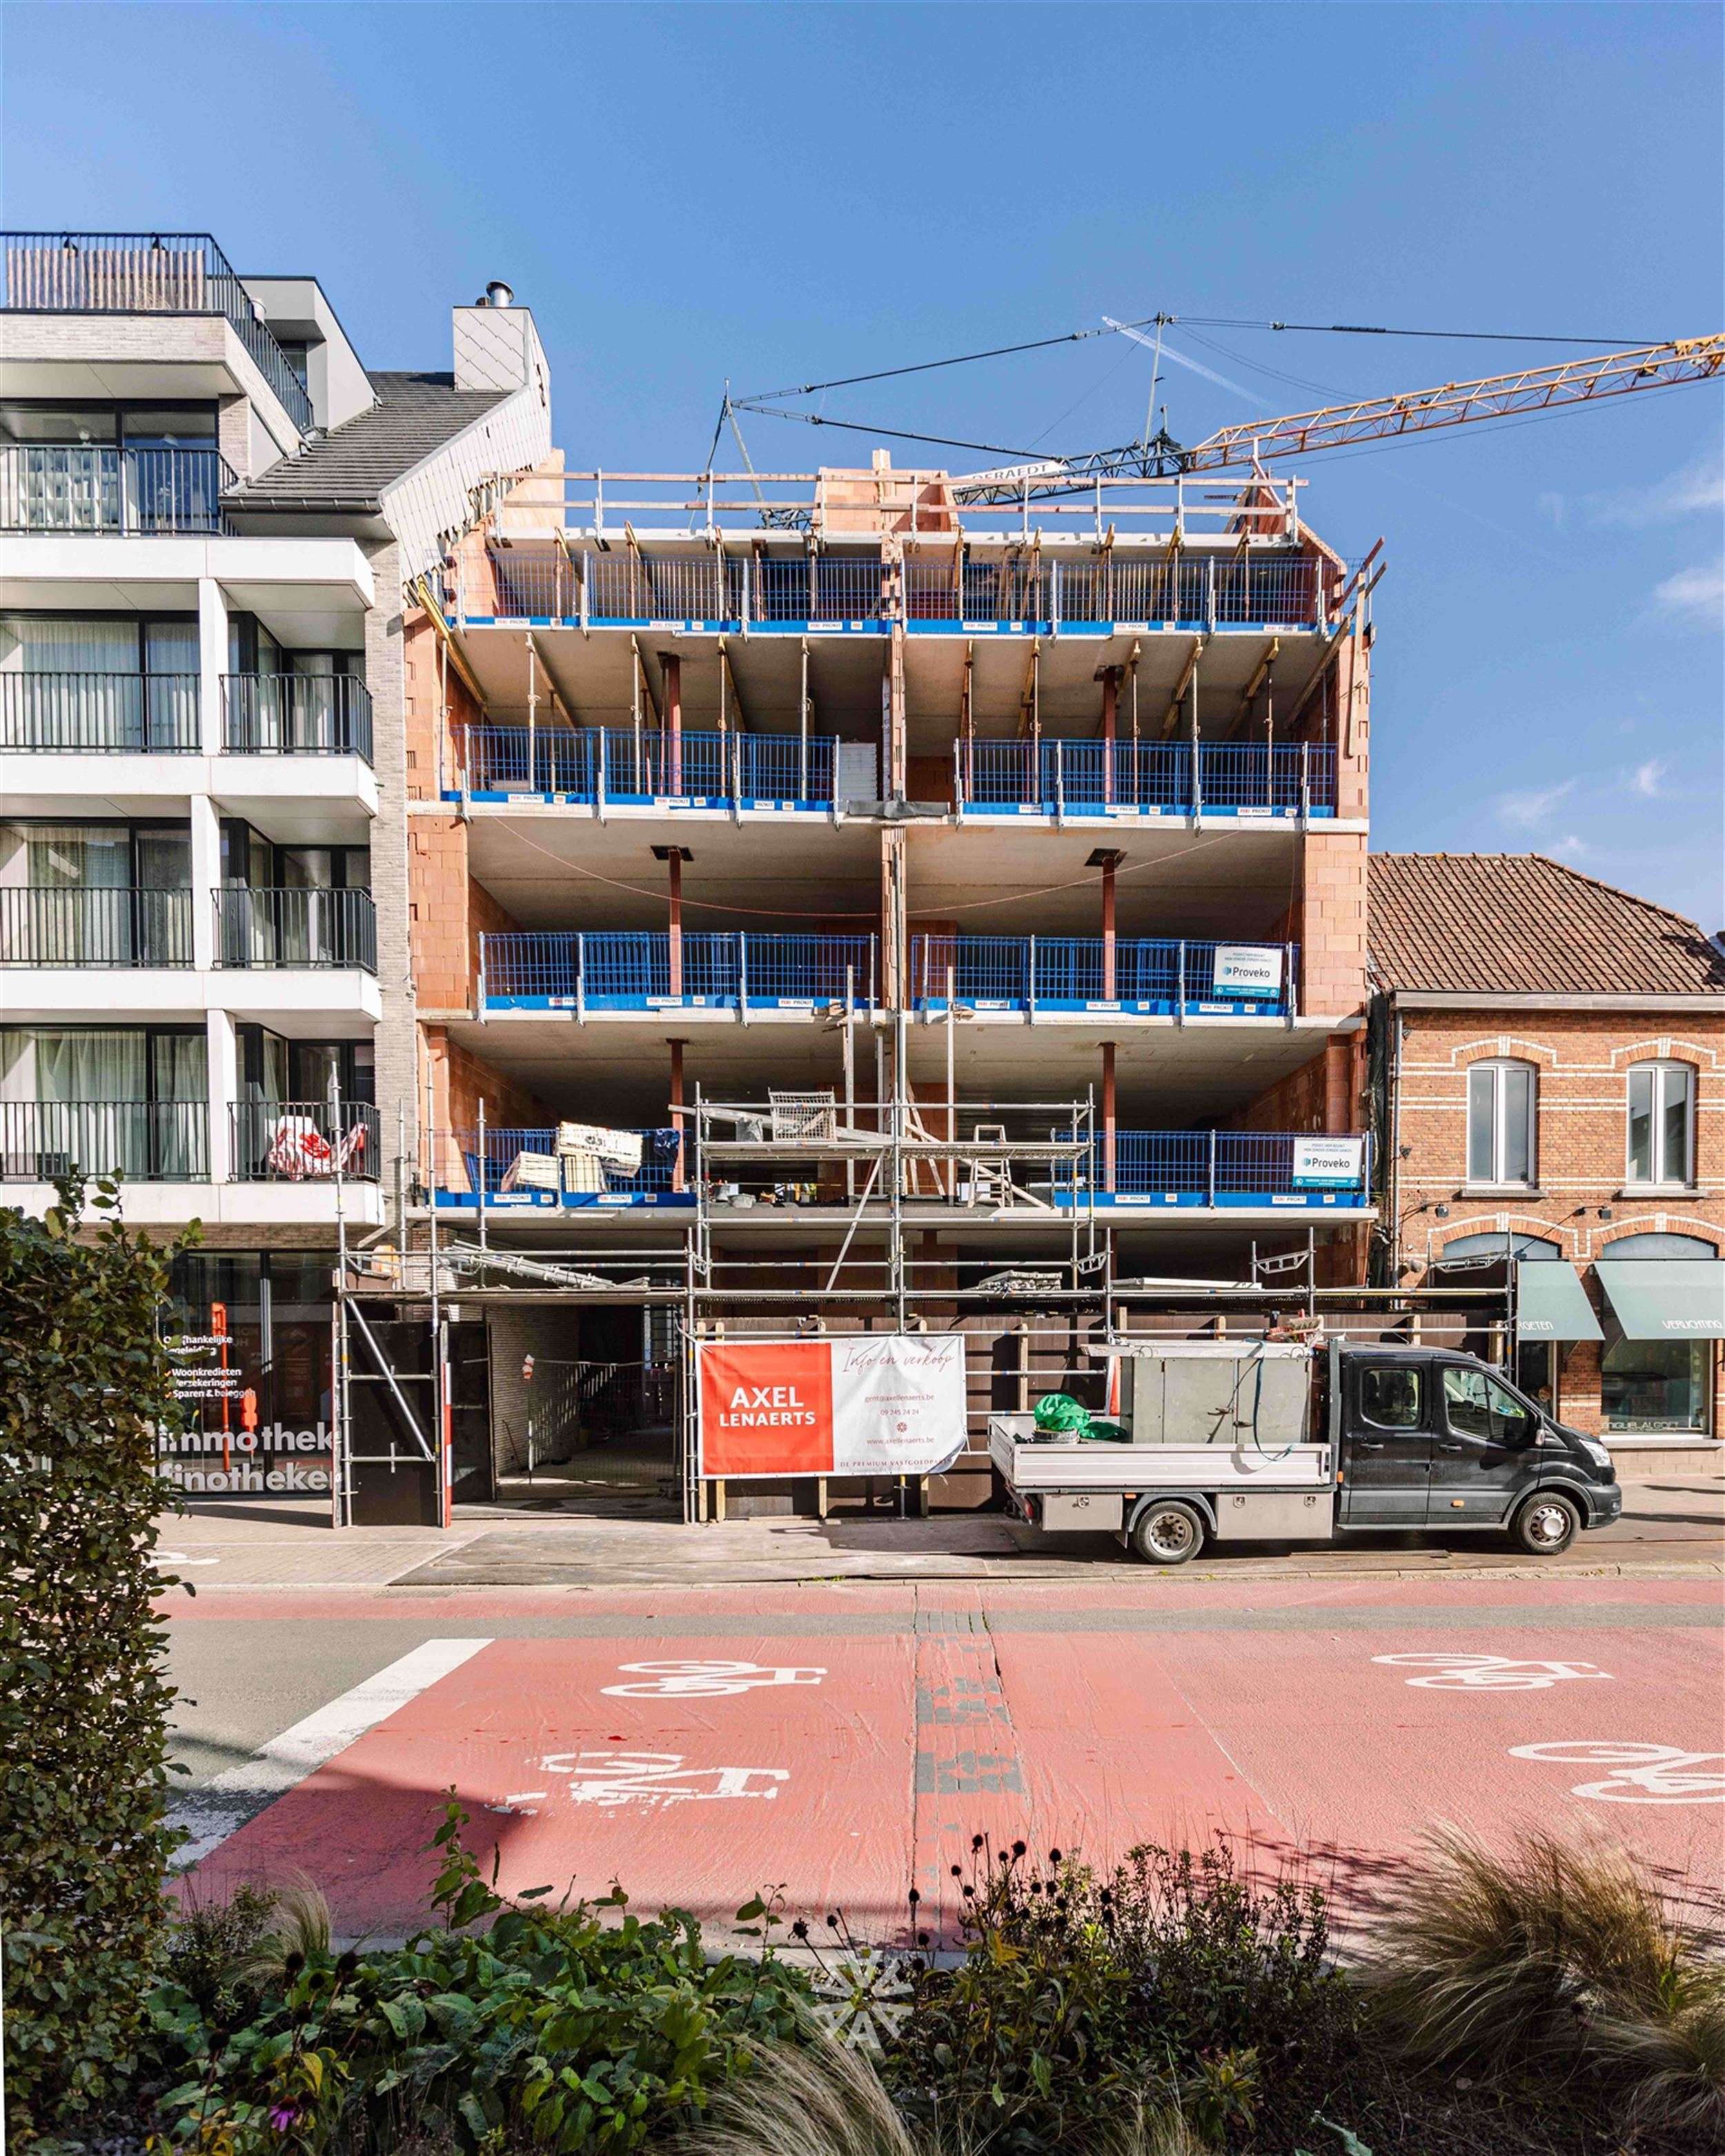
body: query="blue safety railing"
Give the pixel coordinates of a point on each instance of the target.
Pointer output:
(1079, 779)
(1273, 591)
(1065, 974)
(601, 764)
(514, 1169)
(1286, 1170)
(732, 591)
(611, 970)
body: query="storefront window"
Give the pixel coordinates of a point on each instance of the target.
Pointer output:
(249, 1337)
(1656, 1385)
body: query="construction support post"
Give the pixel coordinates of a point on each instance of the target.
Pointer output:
(673, 666)
(674, 864)
(678, 1171)
(1111, 709)
(1108, 1118)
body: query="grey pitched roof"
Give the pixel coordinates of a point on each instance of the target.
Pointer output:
(349, 467)
(1521, 924)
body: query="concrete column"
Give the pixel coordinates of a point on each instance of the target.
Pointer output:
(673, 666)
(1109, 1125)
(678, 1176)
(205, 875)
(211, 662)
(223, 1072)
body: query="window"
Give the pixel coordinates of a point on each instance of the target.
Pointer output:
(1478, 1406)
(1661, 1123)
(1653, 1385)
(1391, 1396)
(1500, 1100)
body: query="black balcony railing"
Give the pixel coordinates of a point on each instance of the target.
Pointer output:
(298, 715)
(145, 1140)
(296, 928)
(84, 487)
(145, 273)
(109, 714)
(43, 925)
(303, 1142)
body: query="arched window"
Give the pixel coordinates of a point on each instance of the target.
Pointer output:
(1661, 1123)
(1502, 1098)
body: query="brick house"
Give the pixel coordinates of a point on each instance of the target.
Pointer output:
(1548, 1080)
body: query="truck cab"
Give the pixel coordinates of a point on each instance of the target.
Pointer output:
(1428, 1438)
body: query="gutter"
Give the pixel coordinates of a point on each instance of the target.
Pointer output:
(1473, 999)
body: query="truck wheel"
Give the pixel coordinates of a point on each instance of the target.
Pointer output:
(1545, 1525)
(1168, 1532)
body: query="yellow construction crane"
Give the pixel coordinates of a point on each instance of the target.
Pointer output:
(1254, 444)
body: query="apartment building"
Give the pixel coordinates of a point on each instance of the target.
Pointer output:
(211, 512)
(1548, 1078)
(875, 898)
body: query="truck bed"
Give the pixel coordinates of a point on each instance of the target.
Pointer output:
(1036, 1469)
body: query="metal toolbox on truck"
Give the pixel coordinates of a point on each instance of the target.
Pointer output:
(1215, 1392)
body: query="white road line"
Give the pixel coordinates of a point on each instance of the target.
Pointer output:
(237, 1794)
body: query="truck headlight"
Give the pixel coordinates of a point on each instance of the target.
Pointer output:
(1596, 1453)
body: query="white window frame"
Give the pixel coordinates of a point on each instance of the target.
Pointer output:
(1660, 1071)
(1495, 1068)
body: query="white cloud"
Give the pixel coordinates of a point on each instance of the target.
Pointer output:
(1645, 778)
(1695, 595)
(1571, 845)
(1532, 807)
(1698, 487)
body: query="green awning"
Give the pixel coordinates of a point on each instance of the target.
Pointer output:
(1551, 1304)
(1668, 1298)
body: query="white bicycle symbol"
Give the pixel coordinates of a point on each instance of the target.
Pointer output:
(1647, 1773)
(654, 1778)
(705, 1680)
(1489, 1673)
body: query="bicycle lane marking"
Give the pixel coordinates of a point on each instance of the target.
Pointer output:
(693, 1799)
(1336, 1738)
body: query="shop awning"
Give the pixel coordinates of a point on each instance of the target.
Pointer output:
(1667, 1299)
(1551, 1304)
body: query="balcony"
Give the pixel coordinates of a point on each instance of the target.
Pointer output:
(85, 487)
(954, 593)
(1224, 1170)
(303, 1142)
(297, 928)
(1075, 780)
(145, 1140)
(297, 715)
(642, 590)
(517, 1169)
(638, 970)
(1051, 976)
(100, 714)
(46, 926)
(617, 767)
(137, 273)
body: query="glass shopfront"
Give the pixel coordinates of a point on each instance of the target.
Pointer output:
(1651, 1385)
(248, 1336)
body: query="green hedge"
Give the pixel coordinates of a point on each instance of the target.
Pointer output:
(83, 1384)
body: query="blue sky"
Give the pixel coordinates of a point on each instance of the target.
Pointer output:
(778, 193)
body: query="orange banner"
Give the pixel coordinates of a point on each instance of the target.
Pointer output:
(767, 1408)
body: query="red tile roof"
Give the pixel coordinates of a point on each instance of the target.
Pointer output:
(1519, 924)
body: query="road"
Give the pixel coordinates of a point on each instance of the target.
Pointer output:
(845, 1740)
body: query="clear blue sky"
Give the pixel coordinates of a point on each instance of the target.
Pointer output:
(779, 194)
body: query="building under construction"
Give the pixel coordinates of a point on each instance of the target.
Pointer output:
(865, 900)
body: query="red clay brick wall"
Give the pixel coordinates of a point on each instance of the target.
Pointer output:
(1333, 926)
(459, 1081)
(1582, 1058)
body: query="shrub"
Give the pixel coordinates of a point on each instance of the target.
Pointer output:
(573, 2029)
(1083, 1999)
(1548, 1963)
(84, 1388)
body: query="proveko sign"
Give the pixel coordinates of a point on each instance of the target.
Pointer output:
(1323, 1163)
(1247, 969)
(879, 1404)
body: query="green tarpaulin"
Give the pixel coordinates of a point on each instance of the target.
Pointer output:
(1667, 1299)
(1551, 1304)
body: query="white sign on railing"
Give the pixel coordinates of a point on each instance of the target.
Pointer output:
(1248, 969)
(1326, 1163)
